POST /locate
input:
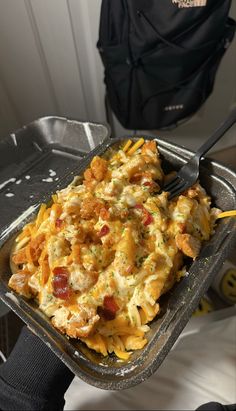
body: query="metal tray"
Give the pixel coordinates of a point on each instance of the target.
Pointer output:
(52, 144)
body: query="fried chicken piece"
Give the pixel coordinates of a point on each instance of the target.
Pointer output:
(188, 244)
(99, 168)
(88, 175)
(90, 206)
(19, 283)
(77, 321)
(149, 146)
(20, 257)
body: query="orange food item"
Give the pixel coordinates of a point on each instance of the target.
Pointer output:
(99, 168)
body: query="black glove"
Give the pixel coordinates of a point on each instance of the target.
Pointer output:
(33, 377)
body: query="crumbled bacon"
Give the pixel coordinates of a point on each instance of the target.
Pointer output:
(58, 223)
(109, 308)
(139, 206)
(148, 183)
(61, 288)
(104, 231)
(148, 218)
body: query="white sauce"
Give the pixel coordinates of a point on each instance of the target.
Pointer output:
(48, 180)
(52, 173)
(13, 136)
(10, 180)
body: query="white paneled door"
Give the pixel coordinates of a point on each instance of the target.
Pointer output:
(49, 61)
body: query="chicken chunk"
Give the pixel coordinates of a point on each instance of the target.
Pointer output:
(81, 280)
(149, 146)
(77, 321)
(20, 257)
(99, 168)
(19, 283)
(89, 207)
(188, 244)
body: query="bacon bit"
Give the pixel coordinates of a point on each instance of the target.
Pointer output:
(58, 223)
(182, 227)
(109, 308)
(136, 178)
(60, 270)
(139, 206)
(148, 183)
(60, 284)
(129, 269)
(148, 218)
(104, 231)
(153, 186)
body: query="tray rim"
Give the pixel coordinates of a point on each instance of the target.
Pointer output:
(55, 117)
(37, 328)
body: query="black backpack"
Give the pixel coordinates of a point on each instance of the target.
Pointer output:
(161, 57)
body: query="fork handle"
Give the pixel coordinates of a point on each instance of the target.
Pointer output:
(218, 133)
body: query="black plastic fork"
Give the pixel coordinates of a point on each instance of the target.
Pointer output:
(189, 173)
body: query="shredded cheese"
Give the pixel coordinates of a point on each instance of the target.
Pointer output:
(231, 213)
(40, 214)
(135, 147)
(123, 355)
(127, 145)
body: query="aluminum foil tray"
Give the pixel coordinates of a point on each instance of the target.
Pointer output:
(43, 157)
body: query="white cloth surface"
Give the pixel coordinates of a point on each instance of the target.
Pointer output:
(201, 368)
